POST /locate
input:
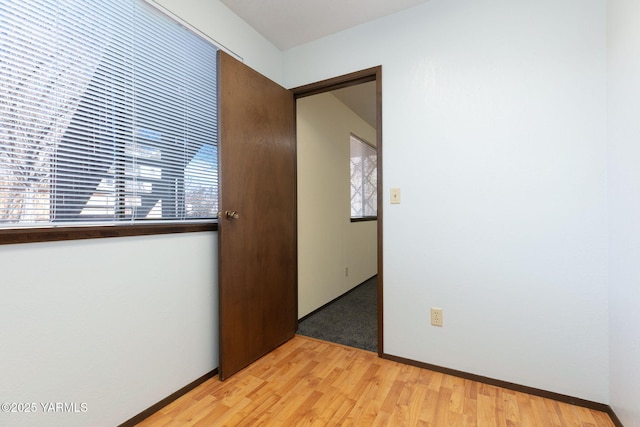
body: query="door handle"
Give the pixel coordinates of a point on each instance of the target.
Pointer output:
(231, 214)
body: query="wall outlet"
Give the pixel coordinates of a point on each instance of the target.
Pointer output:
(346, 272)
(436, 316)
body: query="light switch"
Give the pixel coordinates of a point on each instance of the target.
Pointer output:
(395, 196)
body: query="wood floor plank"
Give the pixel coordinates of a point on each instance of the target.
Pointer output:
(456, 404)
(511, 412)
(470, 415)
(486, 411)
(307, 382)
(418, 393)
(542, 415)
(442, 407)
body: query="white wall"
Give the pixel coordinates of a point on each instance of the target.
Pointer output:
(328, 242)
(494, 129)
(118, 323)
(624, 218)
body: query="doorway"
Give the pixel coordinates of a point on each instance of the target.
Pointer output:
(337, 252)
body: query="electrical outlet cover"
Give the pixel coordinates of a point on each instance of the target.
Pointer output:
(436, 316)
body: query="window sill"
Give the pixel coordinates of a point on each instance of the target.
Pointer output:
(364, 218)
(54, 234)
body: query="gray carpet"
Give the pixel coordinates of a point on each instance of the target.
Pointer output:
(352, 319)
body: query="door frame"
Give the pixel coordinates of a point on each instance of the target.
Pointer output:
(352, 79)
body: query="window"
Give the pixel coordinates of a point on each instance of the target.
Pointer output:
(364, 180)
(107, 116)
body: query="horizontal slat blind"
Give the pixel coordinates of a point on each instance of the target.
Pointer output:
(107, 115)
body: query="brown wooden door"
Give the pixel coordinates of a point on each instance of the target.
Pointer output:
(257, 250)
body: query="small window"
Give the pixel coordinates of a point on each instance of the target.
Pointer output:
(107, 116)
(364, 180)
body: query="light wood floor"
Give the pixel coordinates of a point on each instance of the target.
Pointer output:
(315, 383)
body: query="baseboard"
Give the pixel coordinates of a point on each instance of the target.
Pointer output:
(510, 386)
(334, 300)
(164, 402)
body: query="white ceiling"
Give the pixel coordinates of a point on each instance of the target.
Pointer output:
(288, 23)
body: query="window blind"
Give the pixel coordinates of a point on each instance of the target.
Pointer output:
(107, 115)
(364, 179)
